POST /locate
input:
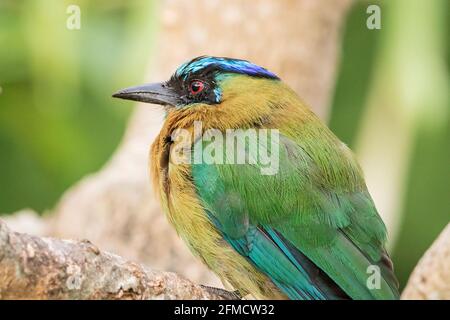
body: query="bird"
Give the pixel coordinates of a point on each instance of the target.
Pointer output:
(308, 230)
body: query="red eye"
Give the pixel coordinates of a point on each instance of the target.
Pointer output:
(196, 87)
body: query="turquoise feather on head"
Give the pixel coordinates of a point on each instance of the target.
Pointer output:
(222, 65)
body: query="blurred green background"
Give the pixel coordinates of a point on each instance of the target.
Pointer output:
(58, 122)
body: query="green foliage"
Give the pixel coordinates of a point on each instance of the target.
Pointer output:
(58, 121)
(358, 53)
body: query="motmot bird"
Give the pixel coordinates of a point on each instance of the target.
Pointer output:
(308, 231)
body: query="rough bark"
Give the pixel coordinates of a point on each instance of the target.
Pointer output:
(297, 39)
(430, 279)
(46, 268)
(32, 267)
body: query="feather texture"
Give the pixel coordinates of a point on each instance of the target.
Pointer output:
(310, 231)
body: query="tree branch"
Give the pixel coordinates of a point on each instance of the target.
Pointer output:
(32, 267)
(46, 268)
(430, 279)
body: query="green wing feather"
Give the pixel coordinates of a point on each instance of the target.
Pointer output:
(311, 227)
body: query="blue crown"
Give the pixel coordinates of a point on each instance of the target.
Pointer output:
(225, 65)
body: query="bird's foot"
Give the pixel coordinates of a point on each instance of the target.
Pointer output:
(228, 295)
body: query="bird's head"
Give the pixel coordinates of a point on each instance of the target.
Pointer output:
(228, 90)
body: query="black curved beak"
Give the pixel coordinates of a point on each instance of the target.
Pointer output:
(157, 93)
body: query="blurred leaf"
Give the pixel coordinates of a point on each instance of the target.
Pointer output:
(57, 118)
